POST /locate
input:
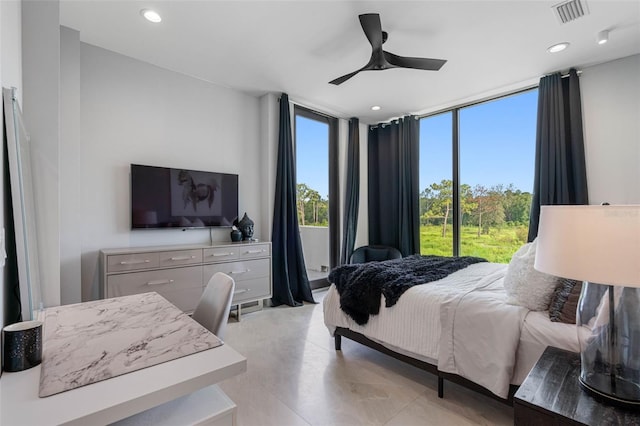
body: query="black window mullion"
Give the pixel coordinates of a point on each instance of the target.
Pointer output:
(334, 195)
(455, 142)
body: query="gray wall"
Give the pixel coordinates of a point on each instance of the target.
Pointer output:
(70, 162)
(40, 106)
(134, 112)
(611, 111)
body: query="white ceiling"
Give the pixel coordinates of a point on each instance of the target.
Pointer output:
(297, 47)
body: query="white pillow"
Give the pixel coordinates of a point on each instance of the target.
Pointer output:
(524, 285)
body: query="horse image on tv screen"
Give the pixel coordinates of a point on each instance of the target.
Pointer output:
(195, 194)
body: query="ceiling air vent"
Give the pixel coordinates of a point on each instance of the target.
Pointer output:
(571, 10)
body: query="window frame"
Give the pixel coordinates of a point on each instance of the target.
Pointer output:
(334, 180)
(455, 147)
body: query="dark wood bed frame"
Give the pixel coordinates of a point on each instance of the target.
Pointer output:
(433, 369)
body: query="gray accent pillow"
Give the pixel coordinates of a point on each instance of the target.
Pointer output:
(564, 302)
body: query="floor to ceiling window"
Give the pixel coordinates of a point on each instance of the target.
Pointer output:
(476, 177)
(315, 145)
(436, 185)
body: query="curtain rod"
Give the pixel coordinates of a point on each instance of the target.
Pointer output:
(392, 121)
(566, 74)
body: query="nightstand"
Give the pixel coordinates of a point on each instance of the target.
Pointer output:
(551, 395)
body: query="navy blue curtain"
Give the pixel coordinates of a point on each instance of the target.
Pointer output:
(394, 214)
(290, 280)
(352, 193)
(560, 170)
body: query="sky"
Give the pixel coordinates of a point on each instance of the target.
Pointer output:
(312, 154)
(497, 146)
(497, 143)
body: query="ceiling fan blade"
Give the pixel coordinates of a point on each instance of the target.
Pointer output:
(416, 63)
(372, 29)
(344, 78)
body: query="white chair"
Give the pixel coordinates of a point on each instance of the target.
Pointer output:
(213, 308)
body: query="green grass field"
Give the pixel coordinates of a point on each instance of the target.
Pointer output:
(498, 246)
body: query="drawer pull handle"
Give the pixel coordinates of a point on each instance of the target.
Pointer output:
(134, 262)
(244, 290)
(222, 254)
(254, 251)
(183, 258)
(159, 282)
(239, 272)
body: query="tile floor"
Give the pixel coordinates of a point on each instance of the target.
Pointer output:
(295, 377)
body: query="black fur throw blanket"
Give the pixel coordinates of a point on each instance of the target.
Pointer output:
(360, 285)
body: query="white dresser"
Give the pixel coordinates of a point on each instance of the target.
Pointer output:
(180, 273)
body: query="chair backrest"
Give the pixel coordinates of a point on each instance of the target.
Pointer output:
(213, 308)
(374, 253)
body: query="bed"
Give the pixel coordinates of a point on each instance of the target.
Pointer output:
(460, 328)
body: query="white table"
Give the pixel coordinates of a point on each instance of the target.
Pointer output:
(116, 398)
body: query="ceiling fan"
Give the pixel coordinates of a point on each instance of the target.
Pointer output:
(382, 60)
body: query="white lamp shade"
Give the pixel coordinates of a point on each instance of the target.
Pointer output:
(599, 244)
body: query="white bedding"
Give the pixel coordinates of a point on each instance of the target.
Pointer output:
(538, 332)
(480, 334)
(413, 323)
(465, 305)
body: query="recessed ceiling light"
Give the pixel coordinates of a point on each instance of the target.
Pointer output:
(151, 15)
(603, 37)
(375, 108)
(558, 47)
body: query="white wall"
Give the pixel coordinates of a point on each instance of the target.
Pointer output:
(134, 112)
(269, 114)
(11, 45)
(315, 246)
(611, 111)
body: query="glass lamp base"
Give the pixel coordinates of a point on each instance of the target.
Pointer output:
(608, 323)
(619, 392)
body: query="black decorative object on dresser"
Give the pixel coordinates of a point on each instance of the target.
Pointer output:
(236, 234)
(551, 395)
(245, 225)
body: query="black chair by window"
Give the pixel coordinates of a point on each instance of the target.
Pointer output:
(374, 254)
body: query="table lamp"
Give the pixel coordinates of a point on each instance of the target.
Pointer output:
(600, 245)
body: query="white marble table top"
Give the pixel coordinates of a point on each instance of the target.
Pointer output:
(93, 341)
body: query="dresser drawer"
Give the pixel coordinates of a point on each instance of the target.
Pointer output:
(254, 250)
(258, 288)
(163, 281)
(132, 262)
(220, 254)
(239, 271)
(180, 257)
(180, 272)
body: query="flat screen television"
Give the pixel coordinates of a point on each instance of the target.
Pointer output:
(164, 197)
